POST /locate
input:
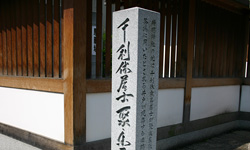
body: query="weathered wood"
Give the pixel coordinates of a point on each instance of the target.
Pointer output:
(97, 86)
(108, 39)
(167, 42)
(199, 39)
(4, 36)
(56, 34)
(30, 37)
(9, 51)
(89, 40)
(67, 48)
(42, 38)
(207, 82)
(33, 83)
(117, 5)
(190, 52)
(232, 6)
(49, 42)
(24, 38)
(99, 38)
(74, 49)
(36, 50)
(248, 56)
(246, 81)
(79, 71)
(1, 45)
(173, 44)
(13, 39)
(162, 27)
(18, 38)
(179, 40)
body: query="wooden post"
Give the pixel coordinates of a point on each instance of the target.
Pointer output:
(190, 52)
(74, 56)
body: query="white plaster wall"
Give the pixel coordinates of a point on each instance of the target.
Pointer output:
(211, 101)
(39, 112)
(245, 99)
(170, 111)
(170, 107)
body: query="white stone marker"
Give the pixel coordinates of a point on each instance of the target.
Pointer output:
(135, 65)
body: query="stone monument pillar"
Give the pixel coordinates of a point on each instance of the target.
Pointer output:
(135, 65)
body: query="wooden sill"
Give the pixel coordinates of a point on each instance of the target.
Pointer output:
(33, 83)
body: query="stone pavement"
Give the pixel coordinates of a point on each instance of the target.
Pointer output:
(235, 140)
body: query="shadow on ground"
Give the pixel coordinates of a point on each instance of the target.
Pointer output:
(236, 140)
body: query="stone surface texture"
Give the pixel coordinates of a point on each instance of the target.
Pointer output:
(135, 65)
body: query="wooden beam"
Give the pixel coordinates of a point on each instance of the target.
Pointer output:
(246, 81)
(207, 82)
(74, 49)
(104, 85)
(230, 5)
(33, 83)
(190, 53)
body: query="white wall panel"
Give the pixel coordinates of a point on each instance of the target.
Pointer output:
(170, 111)
(211, 101)
(39, 112)
(245, 99)
(170, 107)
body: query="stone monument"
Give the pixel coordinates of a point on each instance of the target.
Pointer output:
(135, 65)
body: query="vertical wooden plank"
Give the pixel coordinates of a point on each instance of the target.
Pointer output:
(207, 42)
(36, 37)
(67, 48)
(29, 37)
(79, 84)
(190, 50)
(42, 38)
(173, 45)
(18, 37)
(244, 35)
(89, 40)
(198, 39)
(231, 48)
(219, 52)
(117, 5)
(1, 43)
(56, 34)
(108, 39)
(74, 38)
(179, 40)
(220, 46)
(126, 4)
(99, 38)
(9, 50)
(24, 38)
(168, 31)
(215, 55)
(162, 26)
(226, 35)
(49, 41)
(248, 56)
(4, 36)
(60, 38)
(13, 38)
